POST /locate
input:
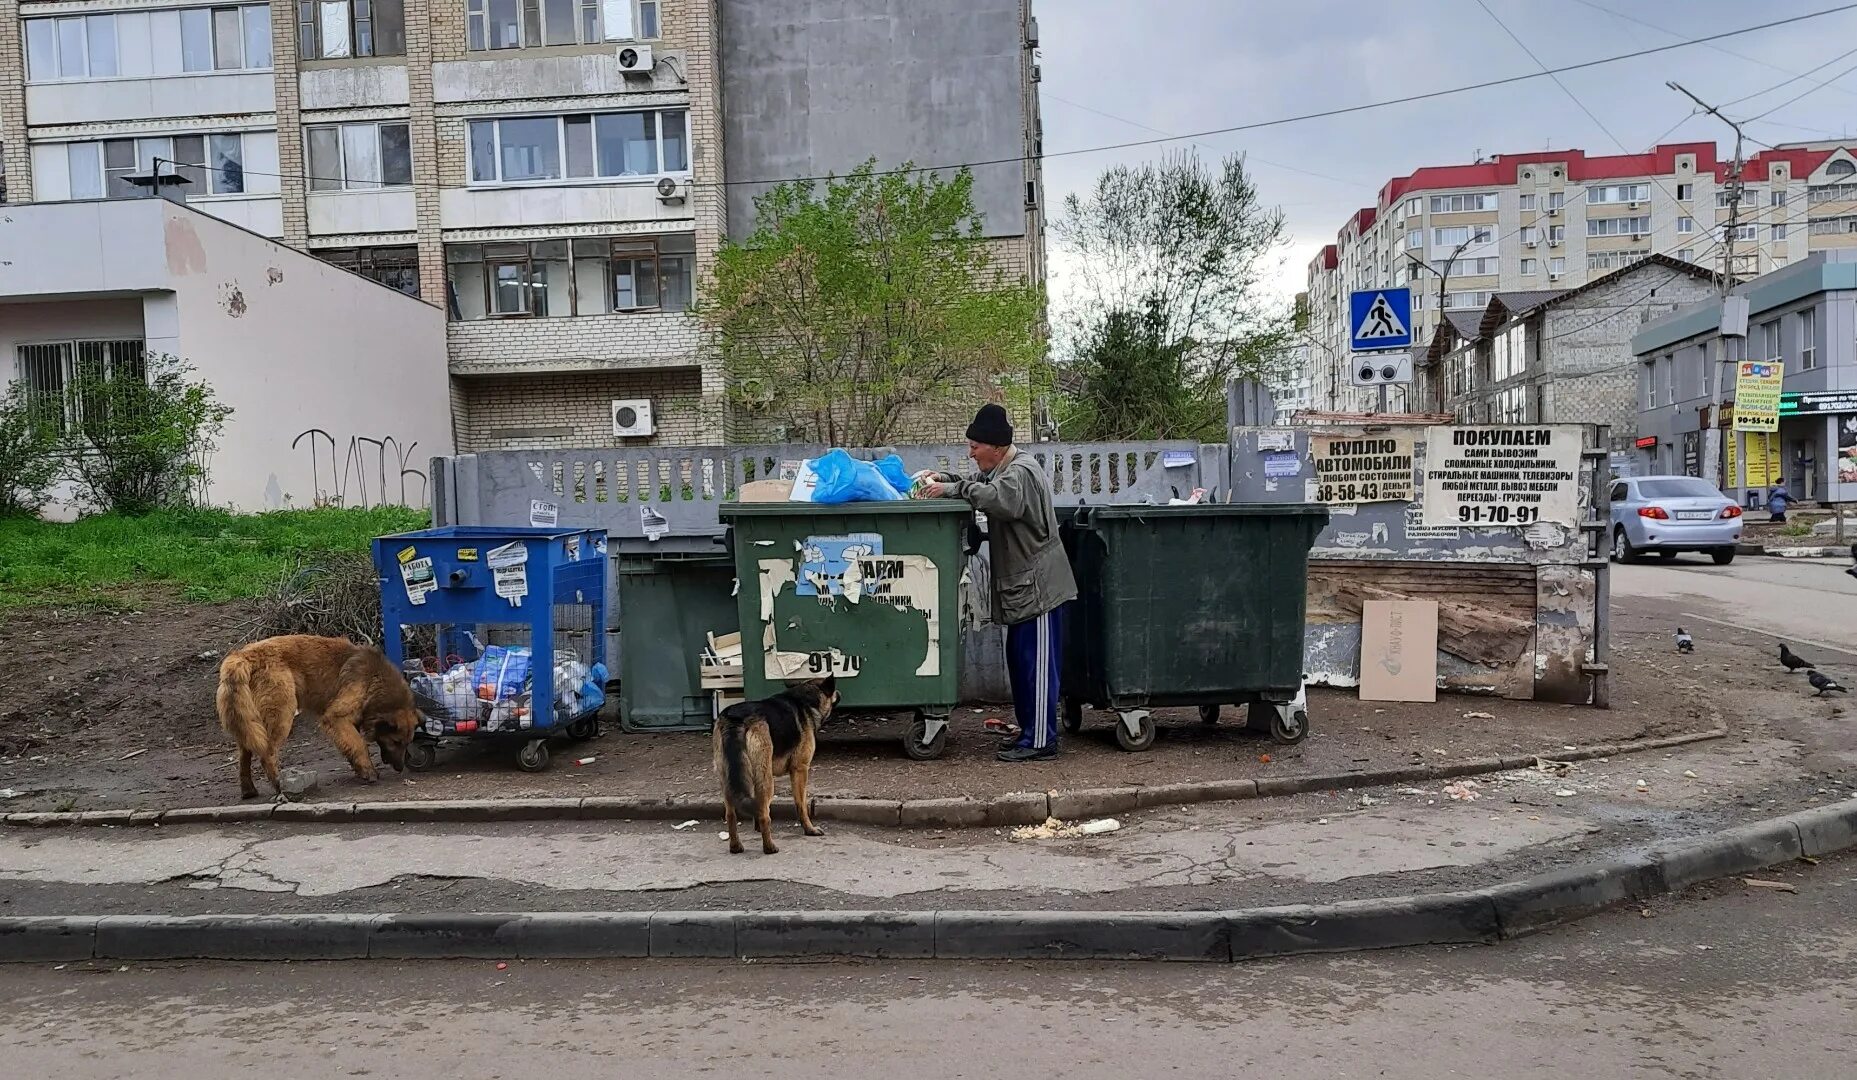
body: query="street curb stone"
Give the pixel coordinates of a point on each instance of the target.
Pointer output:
(1015, 808)
(1497, 913)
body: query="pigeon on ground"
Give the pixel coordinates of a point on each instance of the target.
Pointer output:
(1792, 660)
(1823, 683)
(1684, 643)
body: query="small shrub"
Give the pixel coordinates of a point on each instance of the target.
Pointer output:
(28, 454)
(1796, 530)
(141, 444)
(330, 594)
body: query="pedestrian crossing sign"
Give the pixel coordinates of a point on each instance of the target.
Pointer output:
(1380, 319)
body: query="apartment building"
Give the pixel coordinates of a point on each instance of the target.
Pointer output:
(555, 175)
(1558, 219)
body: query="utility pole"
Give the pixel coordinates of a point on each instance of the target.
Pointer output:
(1712, 435)
(1443, 279)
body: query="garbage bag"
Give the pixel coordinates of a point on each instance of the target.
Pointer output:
(500, 673)
(844, 479)
(892, 469)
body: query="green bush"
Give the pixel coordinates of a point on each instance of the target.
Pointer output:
(137, 445)
(28, 454)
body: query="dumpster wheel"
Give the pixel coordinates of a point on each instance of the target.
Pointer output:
(1142, 735)
(1289, 724)
(421, 755)
(1209, 714)
(919, 745)
(533, 757)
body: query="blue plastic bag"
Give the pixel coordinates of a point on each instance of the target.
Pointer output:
(844, 479)
(501, 673)
(892, 469)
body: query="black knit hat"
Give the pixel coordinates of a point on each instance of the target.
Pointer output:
(991, 426)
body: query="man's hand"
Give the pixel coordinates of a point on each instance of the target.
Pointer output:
(934, 489)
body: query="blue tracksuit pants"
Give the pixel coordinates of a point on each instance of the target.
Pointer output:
(1032, 663)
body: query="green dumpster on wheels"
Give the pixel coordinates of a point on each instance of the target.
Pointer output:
(1188, 605)
(669, 603)
(865, 591)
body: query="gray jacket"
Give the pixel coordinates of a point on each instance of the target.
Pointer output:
(1031, 573)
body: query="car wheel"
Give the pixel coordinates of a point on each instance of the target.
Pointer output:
(1722, 555)
(1622, 551)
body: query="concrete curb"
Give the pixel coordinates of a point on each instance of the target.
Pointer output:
(1016, 808)
(1481, 916)
(1826, 552)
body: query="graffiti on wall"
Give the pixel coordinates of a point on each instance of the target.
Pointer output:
(364, 472)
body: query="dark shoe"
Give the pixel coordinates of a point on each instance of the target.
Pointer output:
(1027, 753)
(1013, 742)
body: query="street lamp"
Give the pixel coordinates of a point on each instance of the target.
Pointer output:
(1444, 277)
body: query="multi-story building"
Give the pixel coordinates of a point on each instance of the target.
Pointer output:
(556, 175)
(1557, 219)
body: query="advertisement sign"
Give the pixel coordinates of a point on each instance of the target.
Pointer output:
(1512, 475)
(1362, 468)
(1757, 395)
(1763, 461)
(1818, 401)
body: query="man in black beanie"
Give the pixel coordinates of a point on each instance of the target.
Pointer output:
(1031, 575)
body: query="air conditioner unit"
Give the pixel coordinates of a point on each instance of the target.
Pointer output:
(635, 59)
(632, 418)
(1632, 205)
(1555, 243)
(1553, 211)
(1531, 243)
(1552, 276)
(1637, 236)
(673, 190)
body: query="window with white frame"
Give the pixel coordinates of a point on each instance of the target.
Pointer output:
(1529, 267)
(1509, 353)
(1832, 192)
(1808, 338)
(1466, 267)
(1453, 235)
(359, 157)
(1453, 204)
(1511, 406)
(1776, 197)
(1836, 226)
(1685, 192)
(1615, 260)
(1557, 233)
(214, 164)
(1841, 167)
(1777, 232)
(1531, 234)
(1413, 206)
(1666, 378)
(341, 29)
(579, 276)
(1415, 239)
(1466, 299)
(1686, 225)
(542, 149)
(1725, 197)
(1687, 255)
(531, 24)
(1528, 201)
(1743, 232)
(49, 369)
(1647, 384)
(1618, 193)
(141, 44)
(1556, 199)
(1624, 226)
(1557, 266)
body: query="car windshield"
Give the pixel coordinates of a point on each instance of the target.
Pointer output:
(1679, 487)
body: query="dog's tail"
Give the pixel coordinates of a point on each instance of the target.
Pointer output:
(238, 710)
(732, 763)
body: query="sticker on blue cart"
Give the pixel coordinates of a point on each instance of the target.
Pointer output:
(419, 578)
(509, 569)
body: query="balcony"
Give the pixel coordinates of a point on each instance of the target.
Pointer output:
(150, 98)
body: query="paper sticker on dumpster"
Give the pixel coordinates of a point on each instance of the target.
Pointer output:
(824, 561)
(420, 581)
(509, 569)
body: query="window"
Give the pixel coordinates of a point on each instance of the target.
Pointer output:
(1624, 226)
(1687, 255)
(529, 24)
(339, 29)
(1770, 340)
(1685, 225)
(1528, 201)
(394, 267)
(1840, 167)
(1531, 234)
(1725, 197)
(1509, 353)
(359, 156)
(1666, 378)
(1778, 232)
(139, 44)
(1466, 300)
(214, 164)
(1776, 198)
(1528, 267)
(583, 276)
(48, 369)
(1467, 267)
(1413, 206)
(1685, 192)
(1832, 192)
(1647, 384)
(1615, 260)
(1453, 236)
(1557, 233)
(1452, 204)
(1837, 226)
(1415, 239)
(1617, 193)
(530, 149)
(1742, 232)
(1556, 199)
(1808, 339)
(1557, 267)
(1511, 406)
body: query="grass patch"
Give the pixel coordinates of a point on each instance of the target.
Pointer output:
(207, 555)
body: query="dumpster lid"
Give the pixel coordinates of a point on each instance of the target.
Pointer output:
(1138, 510)
(805, 509)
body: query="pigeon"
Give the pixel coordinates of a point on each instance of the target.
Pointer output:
(1823, 684)
(1792, 660)
(1684, 643)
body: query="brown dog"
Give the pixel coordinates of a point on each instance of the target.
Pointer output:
(759, 740)
(353, 692)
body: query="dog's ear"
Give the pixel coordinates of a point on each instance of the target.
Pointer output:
(828, 687)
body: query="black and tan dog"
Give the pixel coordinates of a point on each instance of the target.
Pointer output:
(759, 740)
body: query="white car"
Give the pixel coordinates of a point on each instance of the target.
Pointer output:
(1668, 514)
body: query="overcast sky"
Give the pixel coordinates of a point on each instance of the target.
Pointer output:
(1190, 65)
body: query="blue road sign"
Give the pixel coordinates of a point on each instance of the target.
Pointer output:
(1380, 319)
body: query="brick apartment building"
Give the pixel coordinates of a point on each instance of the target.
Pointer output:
(1553, 220)
(556, 175)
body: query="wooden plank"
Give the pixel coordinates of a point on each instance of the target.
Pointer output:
(1472, 629)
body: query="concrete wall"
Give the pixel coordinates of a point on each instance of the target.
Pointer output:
(288, 341)
(817, 86)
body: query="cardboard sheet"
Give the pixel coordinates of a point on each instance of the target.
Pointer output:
(1399, 650)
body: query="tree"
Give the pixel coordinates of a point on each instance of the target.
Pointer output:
(142, 434)
(28, 452)
(851, 305)
(1167, 260)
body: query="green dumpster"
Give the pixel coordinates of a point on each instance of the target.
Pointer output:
(868, 592)
(669, 602)
(1188, 605)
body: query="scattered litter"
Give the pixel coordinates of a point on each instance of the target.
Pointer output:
(1462, 791)
(10, 793)
(1569, 748)
(1705, 948)
(1642, 786)
(1054, 829)
(1565, 793)
(682, 825)
(1368, 800)
(722, 835)
(501, 966)
(1413, 791)
(1440, 753)
(1479, 716)
(1808, 860)
(1760, 884)
(1690, 773)
(133, 753)
(1552, 767)
(585, 760)
(1265, 758)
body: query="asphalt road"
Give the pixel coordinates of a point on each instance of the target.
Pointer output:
(1737, 982)
(1807, 601)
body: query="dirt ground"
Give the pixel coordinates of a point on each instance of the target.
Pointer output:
(112, 709)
